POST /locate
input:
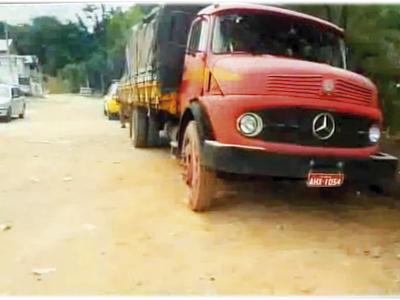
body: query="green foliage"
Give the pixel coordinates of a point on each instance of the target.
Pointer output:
(75, 74)
(89, 51)
(56, 85)
(54, 43)
(118, 29)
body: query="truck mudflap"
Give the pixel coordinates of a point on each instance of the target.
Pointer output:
(236, 159)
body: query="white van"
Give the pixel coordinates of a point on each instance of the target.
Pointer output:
(12, 102)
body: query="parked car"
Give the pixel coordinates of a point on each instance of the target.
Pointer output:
(111, 104)
(12, 102)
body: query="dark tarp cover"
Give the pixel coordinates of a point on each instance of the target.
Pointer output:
(156, 46)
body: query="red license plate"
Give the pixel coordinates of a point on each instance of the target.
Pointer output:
(325, 180)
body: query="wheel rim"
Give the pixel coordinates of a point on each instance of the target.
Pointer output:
(191, 169)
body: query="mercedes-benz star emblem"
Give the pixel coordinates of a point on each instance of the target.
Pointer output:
(323, 126)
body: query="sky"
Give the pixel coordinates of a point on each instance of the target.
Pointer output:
(23, 13)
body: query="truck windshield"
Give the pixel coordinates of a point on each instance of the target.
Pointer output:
(277, 35)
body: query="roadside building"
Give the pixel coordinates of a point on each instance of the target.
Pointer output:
(23, 70)
(3, 47)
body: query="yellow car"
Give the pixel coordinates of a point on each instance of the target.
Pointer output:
(111, 104)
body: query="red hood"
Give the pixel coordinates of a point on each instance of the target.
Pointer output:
(252, 75)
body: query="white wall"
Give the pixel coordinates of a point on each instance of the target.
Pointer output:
(15, 66)
(8, 70)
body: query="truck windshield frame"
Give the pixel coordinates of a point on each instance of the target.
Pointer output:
(197, 41)
(282, 36)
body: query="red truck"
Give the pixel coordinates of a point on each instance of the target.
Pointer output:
(253, 90)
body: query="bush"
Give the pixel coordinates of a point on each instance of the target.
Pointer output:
(75, 75)
(56, 85)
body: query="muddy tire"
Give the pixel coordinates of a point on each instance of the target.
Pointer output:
(200, 181)
(138, 127)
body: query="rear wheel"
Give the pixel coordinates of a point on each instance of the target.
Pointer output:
(200, 181)
(138, 127)
(22, 114)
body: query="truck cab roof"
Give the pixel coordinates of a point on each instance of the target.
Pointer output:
(226, 7)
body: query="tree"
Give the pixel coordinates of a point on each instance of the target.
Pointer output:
(75, 74)
(117, 33)
(55, 44)
(91, 49)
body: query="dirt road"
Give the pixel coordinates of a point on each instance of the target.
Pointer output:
(108, 219)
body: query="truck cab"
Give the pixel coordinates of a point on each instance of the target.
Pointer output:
(266, 91)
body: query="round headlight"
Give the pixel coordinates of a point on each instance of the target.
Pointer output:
(374, 133)
(249, 124)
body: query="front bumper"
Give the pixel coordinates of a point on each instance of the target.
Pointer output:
(256, 161)
(3, 112)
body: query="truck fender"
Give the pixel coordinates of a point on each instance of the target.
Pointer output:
(197, 112)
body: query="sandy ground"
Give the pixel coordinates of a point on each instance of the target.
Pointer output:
(108, 219)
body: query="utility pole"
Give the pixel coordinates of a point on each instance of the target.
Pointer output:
(6, 35)
(8, 48)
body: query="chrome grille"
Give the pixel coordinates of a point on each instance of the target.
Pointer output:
(302, 86)
(349, 92)
(310, 87)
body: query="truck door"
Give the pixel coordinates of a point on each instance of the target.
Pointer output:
(195, 62)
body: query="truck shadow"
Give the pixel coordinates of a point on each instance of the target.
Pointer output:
(295, 196)
(287, 218)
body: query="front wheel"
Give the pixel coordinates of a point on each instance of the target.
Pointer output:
(200, 181)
